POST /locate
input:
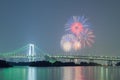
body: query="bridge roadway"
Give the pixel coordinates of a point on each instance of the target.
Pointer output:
(104, 58)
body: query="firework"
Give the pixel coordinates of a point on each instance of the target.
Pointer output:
(68, 37)
(76, 25)
(76, 45)
(87, 37)
(70, 42)
(67, 41)
(79, 34)
(67, 46)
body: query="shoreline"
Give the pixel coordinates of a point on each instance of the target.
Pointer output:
(5, 64)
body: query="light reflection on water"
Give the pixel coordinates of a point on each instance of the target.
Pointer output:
(60, 73)
(31, 73)
(73, 73)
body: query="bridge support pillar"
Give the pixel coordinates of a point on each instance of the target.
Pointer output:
(31, 52)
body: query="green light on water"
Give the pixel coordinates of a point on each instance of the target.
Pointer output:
(15, 73)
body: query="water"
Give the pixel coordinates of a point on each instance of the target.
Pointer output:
(60, 73)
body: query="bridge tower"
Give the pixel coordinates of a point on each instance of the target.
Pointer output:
(31, 52)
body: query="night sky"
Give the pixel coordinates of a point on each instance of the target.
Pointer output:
(42, 23)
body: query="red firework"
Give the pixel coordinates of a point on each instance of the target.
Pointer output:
(76, 28)
(79, 27)
(76, 25)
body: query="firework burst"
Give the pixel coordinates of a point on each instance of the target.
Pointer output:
(87, 37)
(76, 24)
(67, 42)
(76, 45)
(79, 34)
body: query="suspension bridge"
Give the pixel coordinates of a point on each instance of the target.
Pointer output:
(26, 53)
(31, 53)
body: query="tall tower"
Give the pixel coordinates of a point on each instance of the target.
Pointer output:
(31, 52)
